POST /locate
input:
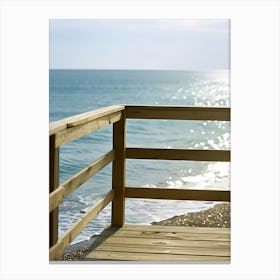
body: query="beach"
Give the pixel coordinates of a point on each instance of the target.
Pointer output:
(217, 216)
(78, 91)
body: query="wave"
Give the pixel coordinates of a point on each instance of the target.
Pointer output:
(72, 92)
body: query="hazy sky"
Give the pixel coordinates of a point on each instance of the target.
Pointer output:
(140, 44)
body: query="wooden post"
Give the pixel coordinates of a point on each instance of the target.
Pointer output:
(53, 184)
(118, 172)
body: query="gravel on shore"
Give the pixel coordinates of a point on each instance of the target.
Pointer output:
(217, 216)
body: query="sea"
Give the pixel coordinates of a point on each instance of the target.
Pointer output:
(77, 91)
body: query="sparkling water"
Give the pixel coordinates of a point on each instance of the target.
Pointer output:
(77, 91)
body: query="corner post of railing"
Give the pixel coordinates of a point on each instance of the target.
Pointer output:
(53, 184)
(118, 171)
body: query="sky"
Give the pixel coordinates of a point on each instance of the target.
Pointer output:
(153, 44)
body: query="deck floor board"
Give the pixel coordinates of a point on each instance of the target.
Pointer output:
(161, 243)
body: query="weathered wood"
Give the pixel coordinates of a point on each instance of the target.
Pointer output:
(174, 235)
(178, 112)
(104, 242)
(136, 242)
(183, 229)
(167, 242)
(118, 171)
(57, 126)
(53, 184)
(162, 250)
(145, 112)
(57, 196)
(132, 256)
(56, 251)
(76, 132)
(83, 118)
(177, 194)
(178, 154)
(149, 243)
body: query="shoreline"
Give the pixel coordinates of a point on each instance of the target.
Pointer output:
(216, 216)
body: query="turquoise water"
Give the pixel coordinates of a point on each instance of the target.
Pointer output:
(77, 91)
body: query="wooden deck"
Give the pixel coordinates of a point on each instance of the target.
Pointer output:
(161, 243)
(127, 242)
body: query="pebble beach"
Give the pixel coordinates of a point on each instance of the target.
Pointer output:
(217, 216)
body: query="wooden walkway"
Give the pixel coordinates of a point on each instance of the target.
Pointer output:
(161, 243)
(127, 242)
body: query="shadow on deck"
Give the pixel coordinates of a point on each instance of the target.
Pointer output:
(131, 242)
(160, 243)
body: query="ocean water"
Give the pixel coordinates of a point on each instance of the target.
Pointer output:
(77, 91)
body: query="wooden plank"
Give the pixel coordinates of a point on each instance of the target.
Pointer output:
(162, 250)
(118, 172)
(57, 126)
(83, 118)
(159, 228)
(76, 132)
(132, 256)
(94, 115)
(178, 154)
(177, 194)
(56, 251)
(53, 184)
(134, 242)
(177, 112)
(57, 196)
(131, 241)
(168, 235)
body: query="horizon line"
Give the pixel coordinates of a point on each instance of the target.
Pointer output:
(134, 69)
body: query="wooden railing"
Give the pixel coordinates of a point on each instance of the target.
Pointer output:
(69, 129)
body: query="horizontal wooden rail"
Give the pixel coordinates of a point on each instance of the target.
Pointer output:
(71, 128)
(57, 196)
(72, 133)
(83, 118)
(178, 154)
(177, 194)
(177, 112)
(56, 251)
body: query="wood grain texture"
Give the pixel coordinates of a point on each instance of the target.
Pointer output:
(160, 243)
(76, 132)
(177, 112)
(172, 235)
(162, 250)
(57, 196)
(169, 229)
(53, 185)
(148, 243)
(138, 256)
(178, 154)
(56, 250)
(118, 171)
(166, 242)
(177, 194)
(83, 118)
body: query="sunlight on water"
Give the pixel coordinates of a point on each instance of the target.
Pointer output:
(73, 92)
